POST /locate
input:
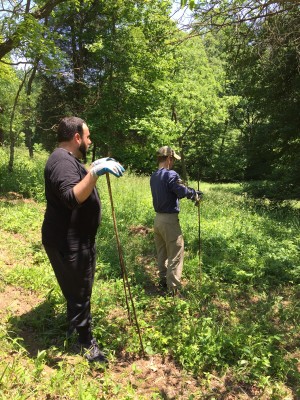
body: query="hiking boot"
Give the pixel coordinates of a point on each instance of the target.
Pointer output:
(92, 352)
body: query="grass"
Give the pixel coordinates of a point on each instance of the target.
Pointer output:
(237, 326)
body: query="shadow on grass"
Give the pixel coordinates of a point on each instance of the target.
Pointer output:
(235, 188)
(40, 328)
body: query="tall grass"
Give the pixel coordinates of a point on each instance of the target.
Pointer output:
(241, 319)
(26, 178)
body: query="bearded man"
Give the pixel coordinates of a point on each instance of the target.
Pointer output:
(71, 220)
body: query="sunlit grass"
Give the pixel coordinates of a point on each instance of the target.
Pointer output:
(242, 318)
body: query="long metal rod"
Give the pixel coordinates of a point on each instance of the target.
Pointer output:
(123, 268)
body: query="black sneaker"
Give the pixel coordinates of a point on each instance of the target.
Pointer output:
(92, 352)
(163, 284)
(177, 294)
(162, 287)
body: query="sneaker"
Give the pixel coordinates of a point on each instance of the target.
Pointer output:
(163, 284)
(162, 288)
(92, 352)
(175, 293)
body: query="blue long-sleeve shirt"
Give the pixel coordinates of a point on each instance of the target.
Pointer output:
(166, 191)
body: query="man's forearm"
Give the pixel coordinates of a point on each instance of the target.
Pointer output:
(84, 188)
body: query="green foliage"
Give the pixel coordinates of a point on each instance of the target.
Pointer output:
(256, 249)
(8, 85)
(228, 100)
(241, 320)
(120, 54)
(27, 178)
(266, 76)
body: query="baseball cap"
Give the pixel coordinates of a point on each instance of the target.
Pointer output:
(168, 151)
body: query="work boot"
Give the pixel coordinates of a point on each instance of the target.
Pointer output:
(92, 352)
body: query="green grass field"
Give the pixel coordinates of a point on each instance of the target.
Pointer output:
(234, 336)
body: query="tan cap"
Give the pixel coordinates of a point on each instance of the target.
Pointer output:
(167, 151)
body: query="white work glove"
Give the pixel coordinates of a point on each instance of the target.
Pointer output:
(101, 160)
(111, 166)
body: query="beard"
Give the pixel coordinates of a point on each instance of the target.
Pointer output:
(83, 150)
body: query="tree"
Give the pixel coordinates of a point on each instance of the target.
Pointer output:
(193, 116)
(8, 85)
(114, 55)
(266, 75)
(218, 14)
(26, 39)
(20, 24)
(262, 56)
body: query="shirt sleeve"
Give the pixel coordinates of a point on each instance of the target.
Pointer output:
(64, 176)
(176, 185)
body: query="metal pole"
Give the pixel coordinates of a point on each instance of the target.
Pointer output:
(123, 269)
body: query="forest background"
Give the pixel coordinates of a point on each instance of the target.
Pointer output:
(220, 85)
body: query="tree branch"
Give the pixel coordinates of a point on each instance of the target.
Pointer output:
(211, 14)
(14, 40)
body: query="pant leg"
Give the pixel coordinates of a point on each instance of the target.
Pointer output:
(161, 250)
(170, 232)
(75, 274)
(175, 249)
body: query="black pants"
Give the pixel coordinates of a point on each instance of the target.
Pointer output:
(75, 272)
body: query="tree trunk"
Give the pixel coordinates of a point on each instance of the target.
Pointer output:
(28, 138)
(183, 163)
(221, 150)
(11, 130)
(78, 60)
(27, 129)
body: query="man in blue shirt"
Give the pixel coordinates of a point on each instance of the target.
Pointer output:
(167, 188)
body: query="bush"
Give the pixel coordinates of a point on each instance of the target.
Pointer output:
(27, 177)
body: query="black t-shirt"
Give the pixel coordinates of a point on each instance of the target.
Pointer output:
(68, 225)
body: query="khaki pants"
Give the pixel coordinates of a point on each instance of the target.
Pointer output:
(170, 248)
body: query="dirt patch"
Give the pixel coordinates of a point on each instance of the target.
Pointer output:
(17, 301)
(140, 230)
(14, 197)
(146, 376)
(6, 258)
(152, 375)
